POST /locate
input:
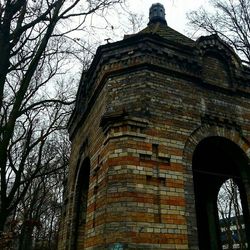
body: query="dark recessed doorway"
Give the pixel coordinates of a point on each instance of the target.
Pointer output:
(216, 160)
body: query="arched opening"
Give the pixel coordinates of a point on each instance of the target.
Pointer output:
(216, 160)
(230, 212)
(81, 200)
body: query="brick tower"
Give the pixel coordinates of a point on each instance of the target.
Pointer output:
(160, 122)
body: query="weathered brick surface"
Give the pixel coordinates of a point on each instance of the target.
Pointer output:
(142, 109)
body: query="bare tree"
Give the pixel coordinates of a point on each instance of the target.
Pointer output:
(35, 49)
(231, 215)
(230, 19)
(37, 215)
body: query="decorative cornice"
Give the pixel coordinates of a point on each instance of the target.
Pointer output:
(213, 41)
(130, 54)
(112, 118)
(121, 124)
(152, 52)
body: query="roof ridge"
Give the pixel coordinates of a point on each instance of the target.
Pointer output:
(168, 33)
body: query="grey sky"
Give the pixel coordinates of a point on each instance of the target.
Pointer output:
(116, 23)
(175, 10)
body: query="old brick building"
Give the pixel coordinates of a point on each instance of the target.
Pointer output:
(161, 121)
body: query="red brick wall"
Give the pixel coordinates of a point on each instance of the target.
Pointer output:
(139, 122)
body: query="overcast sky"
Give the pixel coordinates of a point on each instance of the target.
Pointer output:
(117, 25)
(175, 10)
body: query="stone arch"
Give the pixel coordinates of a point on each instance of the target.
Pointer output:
(80, 190)
(203, 132)
(213, 43)
(220, 63)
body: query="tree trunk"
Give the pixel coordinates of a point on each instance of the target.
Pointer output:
(25, 239)
(3, 219)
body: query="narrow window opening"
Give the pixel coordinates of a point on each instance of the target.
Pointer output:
(81, 202)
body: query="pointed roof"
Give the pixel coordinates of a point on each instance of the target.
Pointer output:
(164, 31)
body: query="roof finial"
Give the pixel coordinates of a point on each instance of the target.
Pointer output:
(157, 14)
